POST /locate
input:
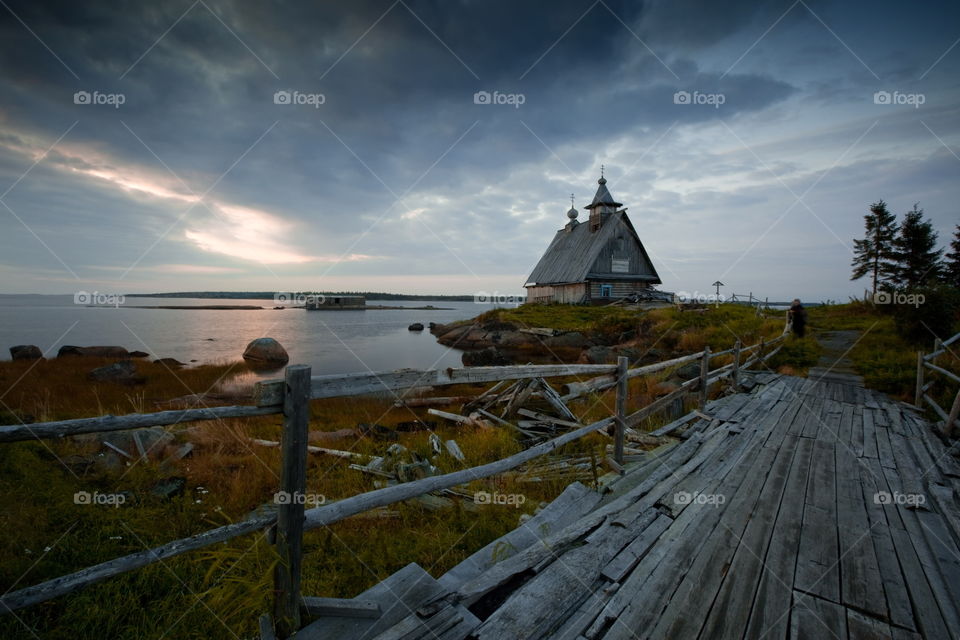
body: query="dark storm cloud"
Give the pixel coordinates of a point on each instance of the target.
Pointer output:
(598, 80)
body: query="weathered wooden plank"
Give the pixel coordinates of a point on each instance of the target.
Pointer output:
(575, 502)
(863, 627)
(869, 435)
(747, 543)
(397, 596)
(861, 582)
(657, 586)
(818, 561)
(894, 585)
(315, 607)
(634, 552)
(769, 616)
(813, 617)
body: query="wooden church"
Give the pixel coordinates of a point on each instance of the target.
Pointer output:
(595, 262)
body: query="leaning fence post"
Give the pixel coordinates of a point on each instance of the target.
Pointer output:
(621, 425)
(293, 481)
(736, 366)
(918, 396)
(704, 370)
(952, 418)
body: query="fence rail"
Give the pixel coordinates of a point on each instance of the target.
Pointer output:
(291, 397)
(926, 361)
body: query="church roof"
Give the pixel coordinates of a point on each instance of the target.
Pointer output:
(571, 255)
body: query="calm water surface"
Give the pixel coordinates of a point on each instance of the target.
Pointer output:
(329, 341)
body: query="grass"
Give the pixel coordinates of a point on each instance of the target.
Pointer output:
(882, 355)
(203, 594)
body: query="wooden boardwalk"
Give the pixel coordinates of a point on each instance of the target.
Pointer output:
(808, 508)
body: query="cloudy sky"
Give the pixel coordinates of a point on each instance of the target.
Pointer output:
(431, 146)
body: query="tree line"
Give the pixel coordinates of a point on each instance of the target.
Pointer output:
(905, 255)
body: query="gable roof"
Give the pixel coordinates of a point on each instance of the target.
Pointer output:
(572, 253)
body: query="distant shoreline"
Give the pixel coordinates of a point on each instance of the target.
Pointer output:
(272, 295)
(250, 307)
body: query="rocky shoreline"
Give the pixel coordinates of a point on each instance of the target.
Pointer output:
(499, 343)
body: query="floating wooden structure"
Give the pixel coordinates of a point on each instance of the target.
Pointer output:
(323, 303)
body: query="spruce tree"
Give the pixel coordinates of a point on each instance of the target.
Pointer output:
(918, 261)
(951, 267)
(874, 255)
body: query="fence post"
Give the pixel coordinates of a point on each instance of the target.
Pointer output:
(293, 484)
(918, 396)
(952, 418)
(735, 376)
(704, 370)
(621, 425)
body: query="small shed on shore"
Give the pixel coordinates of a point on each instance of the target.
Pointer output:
(597, 261)
(337, 302)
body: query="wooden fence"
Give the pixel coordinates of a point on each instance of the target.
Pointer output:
(291, 396)
(928, 361)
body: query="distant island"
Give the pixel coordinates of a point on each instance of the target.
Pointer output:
(270, 295)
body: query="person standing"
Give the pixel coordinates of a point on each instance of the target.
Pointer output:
(798, 318)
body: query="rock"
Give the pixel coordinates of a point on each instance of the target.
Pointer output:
(25, 352)
(598, 355)
(664, 388)
(489, 357)
(265, 352)
(170, 362)
(377, 431)
(93, 352)
(168, 488)
(573, 339)
(123, 372)
(689, 371)
(138, 354)
(416, 326)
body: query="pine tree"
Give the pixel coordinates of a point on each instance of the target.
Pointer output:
(951, 267)
(874, 255)
(918, 261)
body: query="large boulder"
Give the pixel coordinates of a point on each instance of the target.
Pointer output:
(598, 355)
(123, 372)
(93, 352)
(489, 357)
(265, 352)
(689, 371)
(26, 352)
